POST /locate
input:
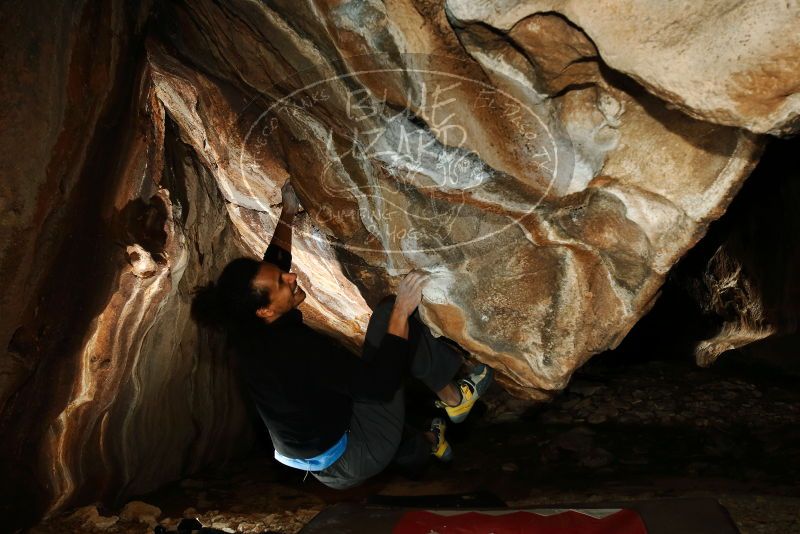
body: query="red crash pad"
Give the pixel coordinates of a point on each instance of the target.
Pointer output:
(445, 516)
(612, 521)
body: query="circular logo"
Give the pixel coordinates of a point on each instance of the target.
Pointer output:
(424, 160)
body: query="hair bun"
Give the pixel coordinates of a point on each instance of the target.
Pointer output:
(207, 306)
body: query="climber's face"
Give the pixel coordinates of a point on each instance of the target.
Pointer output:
(284, 293)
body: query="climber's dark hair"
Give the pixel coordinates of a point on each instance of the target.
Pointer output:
(232, 300)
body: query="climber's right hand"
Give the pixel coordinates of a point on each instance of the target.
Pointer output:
(409, 293)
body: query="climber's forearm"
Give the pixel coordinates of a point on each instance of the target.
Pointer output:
(283, 231)
(398, 324)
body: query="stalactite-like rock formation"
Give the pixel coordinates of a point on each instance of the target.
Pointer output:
(743, 277)
(546, 163)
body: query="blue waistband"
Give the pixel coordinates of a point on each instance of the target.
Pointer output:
(317, 463)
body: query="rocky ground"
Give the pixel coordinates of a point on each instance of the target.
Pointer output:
(620, 431)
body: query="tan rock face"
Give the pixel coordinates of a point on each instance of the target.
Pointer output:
(726, 62)
(518, 161)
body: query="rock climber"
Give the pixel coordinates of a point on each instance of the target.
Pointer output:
(329, 412)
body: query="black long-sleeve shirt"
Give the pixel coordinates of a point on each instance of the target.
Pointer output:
(303, 383)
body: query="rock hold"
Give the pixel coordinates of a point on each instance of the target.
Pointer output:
(90, 517)
(141, 512)
(141, 261)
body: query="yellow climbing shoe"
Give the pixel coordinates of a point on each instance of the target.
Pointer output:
(471, 390)
(441, 449)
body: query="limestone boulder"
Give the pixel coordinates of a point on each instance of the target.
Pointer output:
(722, 61)
(546, 194)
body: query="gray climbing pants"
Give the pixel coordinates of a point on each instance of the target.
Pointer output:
(378, 433)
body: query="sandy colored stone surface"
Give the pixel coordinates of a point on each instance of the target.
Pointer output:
(723, 61)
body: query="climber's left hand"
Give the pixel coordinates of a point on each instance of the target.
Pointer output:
(291, 204)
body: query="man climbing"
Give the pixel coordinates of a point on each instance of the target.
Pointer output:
(329, 412)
